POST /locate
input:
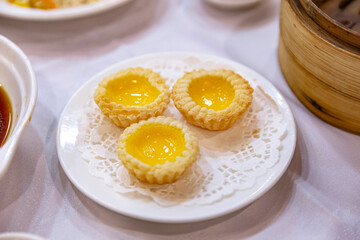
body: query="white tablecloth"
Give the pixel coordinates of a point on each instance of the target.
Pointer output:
(317, 198)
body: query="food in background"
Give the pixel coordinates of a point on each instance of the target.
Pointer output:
(49, 4)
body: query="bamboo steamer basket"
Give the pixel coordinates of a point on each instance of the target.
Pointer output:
(341, 18)
(320, 59)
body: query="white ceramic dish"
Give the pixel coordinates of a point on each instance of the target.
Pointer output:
(18, 80)
(233, 4)
(19, 236)
(11, 11)
(95, 188)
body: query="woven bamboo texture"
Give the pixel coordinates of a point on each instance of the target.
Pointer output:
(322, 70)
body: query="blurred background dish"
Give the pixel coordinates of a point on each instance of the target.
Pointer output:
(24, 13)
(18, 81)
(19, 236)
(50, 4)
(233, 4)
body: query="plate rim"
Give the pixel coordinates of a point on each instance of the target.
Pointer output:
(251, 199)
(19, 13)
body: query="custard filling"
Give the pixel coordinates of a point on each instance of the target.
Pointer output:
(132, 90)
(212, 92)
(156, 143)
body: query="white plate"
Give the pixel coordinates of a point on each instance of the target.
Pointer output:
(95, 188)
(9, 10)
(19, 236)
(233, 4)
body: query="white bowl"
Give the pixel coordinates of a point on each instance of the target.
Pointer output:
(233, 4)
(18, 80)
(19, 236)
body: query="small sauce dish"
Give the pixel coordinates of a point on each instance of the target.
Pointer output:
(18, 80)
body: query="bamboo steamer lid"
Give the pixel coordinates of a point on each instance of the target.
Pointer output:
(341, 18)
(322, 70)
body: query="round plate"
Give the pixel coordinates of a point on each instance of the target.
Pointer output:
(233, 4)
(95, 188)
(9, 10)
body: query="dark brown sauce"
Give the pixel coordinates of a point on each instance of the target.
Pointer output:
(5, 115)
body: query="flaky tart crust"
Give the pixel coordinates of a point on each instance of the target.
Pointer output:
(209, 118)
(168, 171)
(124, 116)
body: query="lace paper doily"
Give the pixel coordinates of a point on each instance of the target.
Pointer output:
(229, 161)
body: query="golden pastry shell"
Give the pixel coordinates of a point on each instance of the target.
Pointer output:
(160, 173)
(208, 118)
(124, 116)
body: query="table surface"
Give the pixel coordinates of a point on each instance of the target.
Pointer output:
(318, 197)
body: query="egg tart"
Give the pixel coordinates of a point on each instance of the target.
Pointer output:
(131, 95)
(212, 99)
(158, 150)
